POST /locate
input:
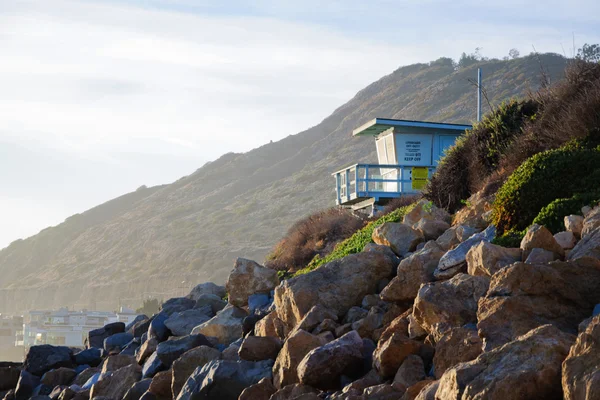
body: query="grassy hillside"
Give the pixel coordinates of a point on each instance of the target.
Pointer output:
(240, 204)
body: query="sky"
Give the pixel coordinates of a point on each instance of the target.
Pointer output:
(99, 97)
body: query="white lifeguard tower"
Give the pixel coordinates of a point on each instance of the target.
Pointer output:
(408, 154)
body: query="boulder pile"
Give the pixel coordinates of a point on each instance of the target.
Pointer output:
(430, 311)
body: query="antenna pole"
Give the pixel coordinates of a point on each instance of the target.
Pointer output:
(478, 94)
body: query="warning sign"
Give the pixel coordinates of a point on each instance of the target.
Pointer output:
(419, 177)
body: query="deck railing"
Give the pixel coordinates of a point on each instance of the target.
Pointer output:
(360, 182)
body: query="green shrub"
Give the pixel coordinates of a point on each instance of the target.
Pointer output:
(357, 242)
(540, 180)
(552, 215)
(510, 239)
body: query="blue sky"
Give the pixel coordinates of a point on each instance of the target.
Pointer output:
(100, 97)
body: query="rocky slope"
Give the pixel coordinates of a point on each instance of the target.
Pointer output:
(423, 313)
(240, 204)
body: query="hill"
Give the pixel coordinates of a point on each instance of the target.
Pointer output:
(239, 205)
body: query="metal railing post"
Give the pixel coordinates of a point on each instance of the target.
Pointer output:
(348, 184)
(337, 188)
(367, 178)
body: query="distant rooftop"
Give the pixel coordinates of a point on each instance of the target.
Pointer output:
(379, 125)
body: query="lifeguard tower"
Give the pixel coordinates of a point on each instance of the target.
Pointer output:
(408, 153)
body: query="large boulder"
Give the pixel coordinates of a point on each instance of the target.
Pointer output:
(247, 278)
(26, 385)
(581, 369)
(96, 337)
(588, 246)
(296, 391)
(323, 366)
(337, 286)
(207, 288)
(455, 260)
(486, 259)
(182, 323)
(393, 347)
(170, 350)
(116, 342)
(186, 364)
(271, 325)
(526, 368)
(440, 306)
(574, 224)
(91, 357)
(524, 296)
(457, 345)
(263, 390)
(424, 209)
(116, 385)
(224, 380)
(474, 214)
(146, 350)
(413, 271)
(226, 326)
(137, 390)
(9, 376)
(591, 222)
(411, 371)
(160, 386)
(59, 376)
(257, 348)
(431, 229)
(140, 327)
(539, 236)
(176, 305)
(116, 361)
(295, 348)
(43, 358)
(157, 328)
(399, 237)
(215, 302)
(152, 366)
(315, 316)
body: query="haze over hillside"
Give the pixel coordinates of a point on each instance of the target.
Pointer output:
(239, 205)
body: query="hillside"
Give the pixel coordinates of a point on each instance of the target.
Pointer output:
(239, 205)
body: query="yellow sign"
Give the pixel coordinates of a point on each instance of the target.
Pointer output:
(419, 177)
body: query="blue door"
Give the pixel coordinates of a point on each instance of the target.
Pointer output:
(445, 141)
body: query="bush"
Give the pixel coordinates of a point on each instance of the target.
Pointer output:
(477, 154)
(357, 242)
(552, 216)
(539, 181)
(316, 234)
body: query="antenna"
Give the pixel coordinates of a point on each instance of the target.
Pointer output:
(478, 94)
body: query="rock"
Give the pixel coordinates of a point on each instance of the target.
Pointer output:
(526, 368)
(258, 301)
(366, 326)
(391, 351)
(96, 337)
(136, 390)
(354, 314)
(323, 366)
(231, 353)
(25, 385)
(41, 359)
(117, 341)
(138, 318)
(157, 329)
(328, 325)
(327, 336)
(565, 239)
(271, 325)
(177, 304)
(457, 345)
(413, 391)
(525, 296)
(186, 364)
(146, 350)
(117, 361)
(59, 376)
(224, 380)
(485, 258)
(140, 328)
(588, 246)
(591, 222)
(131, 348)
(91, 357)
(473, 214)
(85, 375)
(425, 209)
(336, 286)
(226, 326)
(574, 224)
(400, 238)
(411, 371)
(440, 306)
(215, 302)
(161, 385)
(207, 288)
(247, 278)
(91, 381)
(170, 350)
(257, 348)
(463, 232)
(116, 385)
(9, 376)
(415, 331)
(182, 323)
(315, 316)
(152, 366)
(342, 330)
(452, 262)
(540, 256)
(448, 239)
(263, 390)
(540, 237)
(431, 229)
(294, 349)
(428, 392)
(295, 391)
(385, 250)
(581, 369)
(413, 271)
